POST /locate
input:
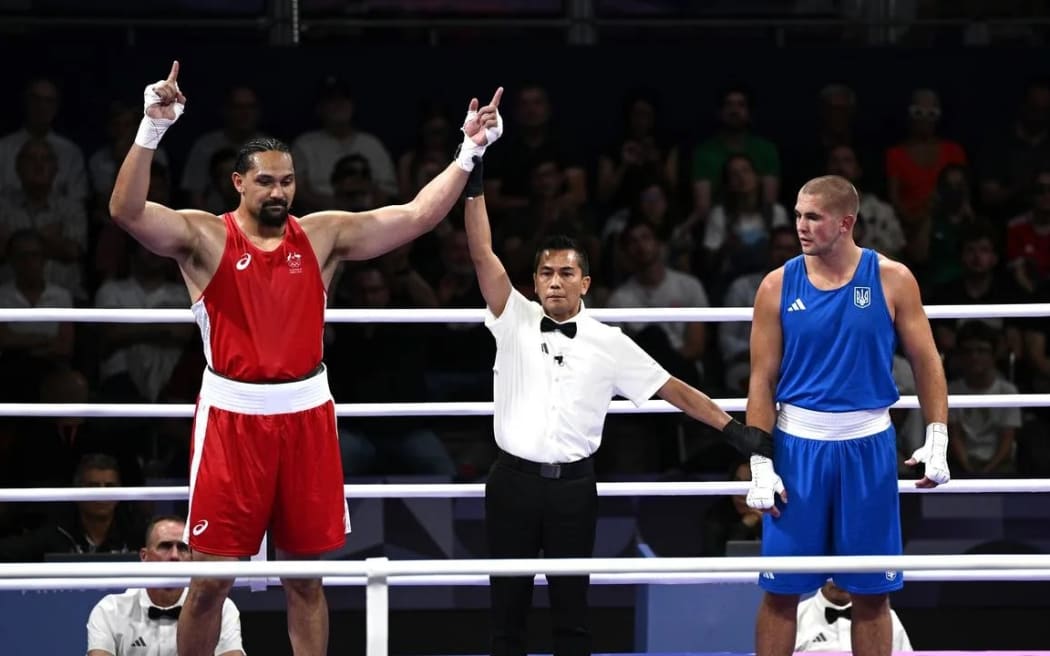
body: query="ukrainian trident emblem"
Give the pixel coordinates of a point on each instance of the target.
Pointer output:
(862, 297)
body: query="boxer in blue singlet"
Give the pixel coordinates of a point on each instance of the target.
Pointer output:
(824, 332)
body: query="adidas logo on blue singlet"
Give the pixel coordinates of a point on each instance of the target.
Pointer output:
(797, 306)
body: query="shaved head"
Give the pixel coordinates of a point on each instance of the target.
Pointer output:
(837, 193)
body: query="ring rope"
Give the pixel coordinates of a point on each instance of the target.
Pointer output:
(477, 490)
(378, 573)
(479, 408)
(417, 315)
(659, 578)
(383, 567)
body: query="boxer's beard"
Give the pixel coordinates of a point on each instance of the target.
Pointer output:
(273, 214)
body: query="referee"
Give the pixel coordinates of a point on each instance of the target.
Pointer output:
(556, 371)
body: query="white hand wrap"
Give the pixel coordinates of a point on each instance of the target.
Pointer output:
(152, 129)
(934, 453)
(469, 149)
(765, 484)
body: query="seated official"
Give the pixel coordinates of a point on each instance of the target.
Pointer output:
(825, 622)
(142, 621)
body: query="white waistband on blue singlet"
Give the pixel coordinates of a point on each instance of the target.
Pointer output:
(265, 398)
(815, 425)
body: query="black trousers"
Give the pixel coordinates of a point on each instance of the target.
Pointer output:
(528, 511)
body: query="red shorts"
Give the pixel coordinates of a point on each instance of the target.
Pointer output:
(266, 456)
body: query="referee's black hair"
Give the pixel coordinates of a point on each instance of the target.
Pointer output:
(562, 243)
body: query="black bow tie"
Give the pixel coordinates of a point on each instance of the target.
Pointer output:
(157, 613)
(831, 614)
(567, 329)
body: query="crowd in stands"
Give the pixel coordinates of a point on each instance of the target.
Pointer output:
(667, 223)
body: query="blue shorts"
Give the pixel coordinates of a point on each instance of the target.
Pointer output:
(842, 501)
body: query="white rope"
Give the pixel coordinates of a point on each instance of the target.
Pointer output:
(475, 409)
(477, 490)
(689, 578)
(521, 567)
(613, 315)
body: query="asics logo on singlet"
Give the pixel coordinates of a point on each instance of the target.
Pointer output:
(243, 263)
(200, 527)
(797, 306)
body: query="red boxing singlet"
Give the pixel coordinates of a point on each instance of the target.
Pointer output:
(262, 315)
(265, 452)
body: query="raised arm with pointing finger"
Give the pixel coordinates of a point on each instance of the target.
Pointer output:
(334, 235)
(264, 430)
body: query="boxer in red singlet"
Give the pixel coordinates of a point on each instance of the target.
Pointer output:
(265, 452)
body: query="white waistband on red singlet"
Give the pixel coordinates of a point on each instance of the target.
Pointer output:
(265, 398)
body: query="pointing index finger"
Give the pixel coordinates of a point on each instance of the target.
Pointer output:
(174, 74)
(496, 97)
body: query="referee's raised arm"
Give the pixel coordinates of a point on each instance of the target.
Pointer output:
(492, 276)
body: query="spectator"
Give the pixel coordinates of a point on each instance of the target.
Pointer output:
(104, 163)
(1028, 238)
(641, 154)
(61, 222)
(913, 166)
(82, 526)
(734, 137)
(737, 230)
(734, 338)
(435, 140)
(983, 438)
(677, 346)
(139, 358)
(385, 364)
(532, 141)
(31, 349)
(836, 125)
(877, 224)
(240, 118)
(934, 247)
(220, 181)
(41, 103)
(549, 211)
(653, 203)
(352, 186)
(1017, 154)
(980, 282)
(316, 152)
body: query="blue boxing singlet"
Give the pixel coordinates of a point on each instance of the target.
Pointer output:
(838, 344)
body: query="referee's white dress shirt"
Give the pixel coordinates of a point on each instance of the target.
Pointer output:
(120, 625)
(815, 634)
(552, 392)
